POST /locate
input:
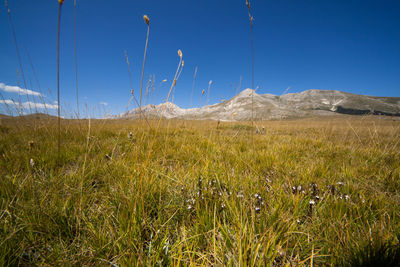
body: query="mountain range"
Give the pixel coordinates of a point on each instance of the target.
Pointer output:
(268, 107)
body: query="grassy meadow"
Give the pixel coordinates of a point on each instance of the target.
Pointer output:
(282, 193)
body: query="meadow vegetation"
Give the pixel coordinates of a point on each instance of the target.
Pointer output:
(305, 192)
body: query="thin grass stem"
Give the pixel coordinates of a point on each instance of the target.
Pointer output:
(146, 19)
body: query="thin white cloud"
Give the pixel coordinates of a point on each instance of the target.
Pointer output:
(103, 103)
(39, 105)
(28, 104)
(16, 89)
(7, 102)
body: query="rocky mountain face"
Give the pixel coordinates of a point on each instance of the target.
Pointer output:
(268, 106)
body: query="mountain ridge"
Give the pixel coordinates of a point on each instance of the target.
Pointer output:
(313, 102)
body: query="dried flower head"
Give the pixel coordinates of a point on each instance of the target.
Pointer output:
(146, 19)
(61, 2)
(179, 53)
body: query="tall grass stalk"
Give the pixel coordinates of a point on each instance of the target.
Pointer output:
(76, 62)
(179, 74)
(128, 64)
(131, 87)
(252, 65)
(158, 88)
(147, 21)
(194, 79)
(17, 50)
(173, 84)
(60, 3)
(36, 79)
(176, 76)
(208, 91)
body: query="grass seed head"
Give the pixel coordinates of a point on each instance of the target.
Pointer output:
(146, 19)
(6, 4)
(61, 2)
(180, 53)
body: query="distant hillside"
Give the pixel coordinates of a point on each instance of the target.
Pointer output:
(267, 106)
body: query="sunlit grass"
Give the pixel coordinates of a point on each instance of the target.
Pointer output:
(309, 192)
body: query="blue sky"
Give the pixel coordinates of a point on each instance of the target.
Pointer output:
(346, 45)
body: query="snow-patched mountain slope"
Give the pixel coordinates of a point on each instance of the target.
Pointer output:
(167, 110)
(267, 106)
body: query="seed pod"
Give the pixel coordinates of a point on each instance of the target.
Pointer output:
(146, 19)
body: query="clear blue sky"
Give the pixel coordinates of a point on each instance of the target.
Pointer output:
(346, 45)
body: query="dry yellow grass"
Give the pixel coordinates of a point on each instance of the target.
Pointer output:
(195, 192)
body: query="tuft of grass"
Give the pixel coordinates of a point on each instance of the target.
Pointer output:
(375, 253)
